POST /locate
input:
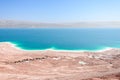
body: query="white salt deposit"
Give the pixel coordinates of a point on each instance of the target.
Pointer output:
(57, 58)
(82, 62)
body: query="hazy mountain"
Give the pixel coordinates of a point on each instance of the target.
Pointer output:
(13, 23)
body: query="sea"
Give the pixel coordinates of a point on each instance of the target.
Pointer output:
(90, 39)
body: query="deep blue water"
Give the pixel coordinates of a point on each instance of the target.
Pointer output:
(62, 38)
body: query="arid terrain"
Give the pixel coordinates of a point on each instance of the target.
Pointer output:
(17, 64)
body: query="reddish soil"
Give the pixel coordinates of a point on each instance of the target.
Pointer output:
(16, 64)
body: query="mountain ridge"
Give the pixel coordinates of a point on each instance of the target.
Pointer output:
(16, 23)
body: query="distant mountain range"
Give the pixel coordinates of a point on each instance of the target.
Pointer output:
(27, 24)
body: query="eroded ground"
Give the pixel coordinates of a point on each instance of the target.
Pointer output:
(16, 64)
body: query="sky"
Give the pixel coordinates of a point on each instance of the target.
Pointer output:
(60, 10)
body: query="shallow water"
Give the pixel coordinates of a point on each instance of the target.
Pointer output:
(62, 38)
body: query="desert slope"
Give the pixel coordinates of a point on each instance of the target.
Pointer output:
(17, 64)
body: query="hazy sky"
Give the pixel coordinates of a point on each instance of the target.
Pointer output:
(60, 10)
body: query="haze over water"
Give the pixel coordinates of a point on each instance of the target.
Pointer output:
(62, 38)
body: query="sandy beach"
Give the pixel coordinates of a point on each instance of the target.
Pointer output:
(17, 64)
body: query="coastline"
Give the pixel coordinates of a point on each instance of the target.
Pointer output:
(56, 64)
(15, 45)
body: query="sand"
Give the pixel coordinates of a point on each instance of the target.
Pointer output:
(18, 64)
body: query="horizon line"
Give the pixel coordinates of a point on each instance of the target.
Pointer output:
(20, 23)
(18, 20)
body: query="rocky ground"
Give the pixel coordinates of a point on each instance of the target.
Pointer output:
(107, 77)
(16, 64)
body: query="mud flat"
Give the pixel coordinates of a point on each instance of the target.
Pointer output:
(17, 64)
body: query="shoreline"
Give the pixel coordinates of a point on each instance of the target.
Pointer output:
(15, 45)
(56, 64)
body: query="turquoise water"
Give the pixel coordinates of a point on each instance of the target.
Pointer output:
(62, 38)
